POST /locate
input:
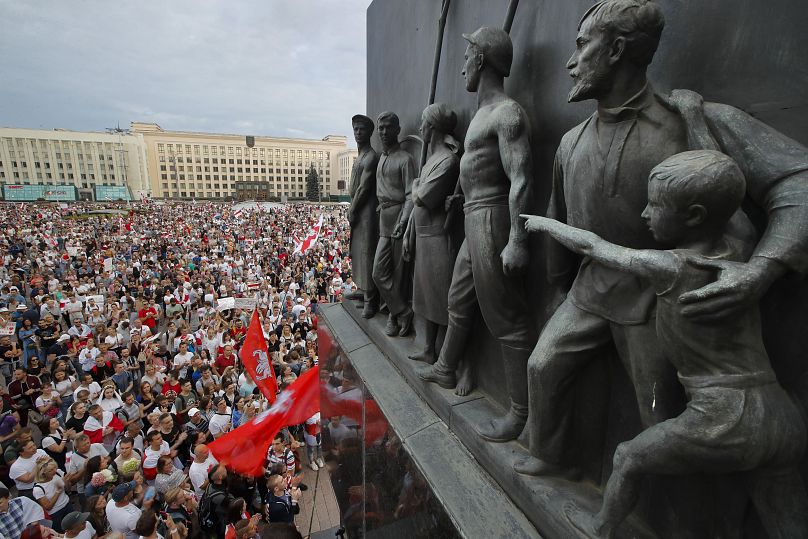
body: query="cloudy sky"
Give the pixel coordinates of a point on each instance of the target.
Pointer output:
(261, 67)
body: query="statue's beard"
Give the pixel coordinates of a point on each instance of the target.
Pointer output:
(590, 85)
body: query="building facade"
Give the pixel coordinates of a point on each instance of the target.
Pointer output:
(190, 165)
(71, 165)
(346, 160)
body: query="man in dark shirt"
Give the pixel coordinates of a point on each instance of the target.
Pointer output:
(281, 507)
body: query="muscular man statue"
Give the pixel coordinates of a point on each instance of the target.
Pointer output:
(394, 176)
(362, 214)
(600, 184)
(496, 171)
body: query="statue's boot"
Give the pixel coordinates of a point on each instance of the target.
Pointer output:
(371, 304)
(427, 355)
(443, 371)
(391, 329)
(510, 426)
(358, 295)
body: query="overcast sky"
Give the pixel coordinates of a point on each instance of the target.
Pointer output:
(262, 67)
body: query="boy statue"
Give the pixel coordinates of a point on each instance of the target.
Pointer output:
(738, 417)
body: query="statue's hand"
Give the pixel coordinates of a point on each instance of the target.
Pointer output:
(515, 258)
(453, 201)
(738, 286)
(398, 231)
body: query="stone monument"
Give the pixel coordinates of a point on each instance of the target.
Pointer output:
(394, 176)
(738, 418)
(362, 215)
(425, 237)
(495, 175)
(600, 184)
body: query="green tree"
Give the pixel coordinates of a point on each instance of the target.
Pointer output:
(313, 185)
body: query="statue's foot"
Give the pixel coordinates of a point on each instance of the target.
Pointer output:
(465, 384)
(535, 466)
(429, 374)
(405, 321)
(427, 356)
(502, 429)
(370, 310)
(582, 521)
(358, 295)
(391, 329)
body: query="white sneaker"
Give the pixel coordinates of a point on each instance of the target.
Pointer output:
(314, 466)
(320, 463)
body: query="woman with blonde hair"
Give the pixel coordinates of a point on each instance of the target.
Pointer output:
(49, 491)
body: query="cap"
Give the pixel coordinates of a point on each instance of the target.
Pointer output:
(13, 288)
(22, 307)
(63, 338)
(192, 412)
(496, 46)
(3, 310)
(70, 520)
(362, 119)
(120, 492)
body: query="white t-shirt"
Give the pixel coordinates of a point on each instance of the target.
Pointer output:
(48, 489)
(77, 462)
(181, 360)
(22, 466)
(198, 473)
(123, 519)
(218, 423)
(87, 533)
(93, 388)
(152, 456)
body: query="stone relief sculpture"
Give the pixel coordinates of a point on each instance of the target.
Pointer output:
(362, 215)
(738, 418)
(600, 184)
(425, 237)
(496, 171)
(394, 176)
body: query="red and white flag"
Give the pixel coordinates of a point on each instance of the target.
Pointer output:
(255, 357)
(309, 241)
(244, 450)
(95, 428)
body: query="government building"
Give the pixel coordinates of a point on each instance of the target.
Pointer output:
(189, 165)
(148, 161)
(63, 165)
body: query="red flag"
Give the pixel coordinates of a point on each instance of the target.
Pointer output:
(255, 357)
(244, 450)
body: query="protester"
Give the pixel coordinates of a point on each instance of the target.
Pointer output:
(126, 355)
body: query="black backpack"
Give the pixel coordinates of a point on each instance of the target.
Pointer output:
(209, 503)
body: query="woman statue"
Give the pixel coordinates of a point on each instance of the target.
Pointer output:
(426, 241)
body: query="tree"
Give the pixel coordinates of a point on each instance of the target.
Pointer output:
(313, 185)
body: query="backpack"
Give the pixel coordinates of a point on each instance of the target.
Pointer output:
(208, 505)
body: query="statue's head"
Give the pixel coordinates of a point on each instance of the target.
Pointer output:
(437, 117)
(611, 35)
(389, 128)
(488, 48)
(691, 194)
(362, 128)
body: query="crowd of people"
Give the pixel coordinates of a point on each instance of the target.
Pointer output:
(120, 334)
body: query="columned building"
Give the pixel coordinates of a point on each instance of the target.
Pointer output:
(62, 165)
(191, 165)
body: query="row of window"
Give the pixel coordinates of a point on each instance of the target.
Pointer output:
(49, 176)
(224, 177)
(65, 144)
(205, 149)
(215, 161)
(241, 170)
